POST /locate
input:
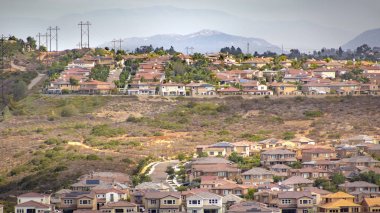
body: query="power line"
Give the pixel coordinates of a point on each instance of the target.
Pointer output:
(53, 36)
(84, 31)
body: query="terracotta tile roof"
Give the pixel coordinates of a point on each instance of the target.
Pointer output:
(297, 180)
(339, 203)
(338, 195)
(372, 201)
(33, 203)
(358, 184)
(294, 194)
(33, 194)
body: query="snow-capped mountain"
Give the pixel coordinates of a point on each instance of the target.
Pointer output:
(203, 41)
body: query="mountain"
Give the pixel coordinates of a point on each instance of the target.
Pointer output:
(109, 24)
(370, 37)
(203, 41)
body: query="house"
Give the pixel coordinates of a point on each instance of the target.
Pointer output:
(316, 193)
(252, 206)
(78, 201)
(370, 88)
(222, 186)
(320, 164)
(359, 161)
(229, 200)
(162, 202)
(79, 63)
(267, 197)
(277, 156)
(303, 141)
(149, 76)
(360, 189)
(324, 73)
(243, 148)
(284, 88)
(346, 151)
(104, 196)
(371, 204)
(119, 207)
(200, 89)
(219, 149)
(374, 150)
(95, 87)
(315, 154)
(297, 182)
(255, 88)
(295, 202)
(229, 91)
(310, 173)
(158, 186)
(212, 166)
(172, 89)
(143, 88)
(280, 170)
(33, 206)
(340, 206)
(257, 176)
(359, 139)
(32, 196)
(204, 202)
(337, 196)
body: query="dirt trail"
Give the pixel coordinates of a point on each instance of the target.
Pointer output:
(17, 67)
(72, 143)
(35, 80)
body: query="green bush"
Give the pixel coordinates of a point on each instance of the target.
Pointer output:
(313, 114)
(288, 135)
(69, 111)
(92, 157)
(107, 131)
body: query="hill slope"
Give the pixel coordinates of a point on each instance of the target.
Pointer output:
(370, 37)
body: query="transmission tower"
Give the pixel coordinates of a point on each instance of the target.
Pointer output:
(191, 50)
(2, 54)
(247, 47)
(84, 31)
(41, 41)
(120, 41)
(114, 44)
(53, 36)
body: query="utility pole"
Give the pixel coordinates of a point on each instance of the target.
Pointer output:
(84, 30)
(187, 50)
(282, 49)
(191, 50)
(53, 36)
(120, 41)
(114, 44)
(247, 47)
(2, 53)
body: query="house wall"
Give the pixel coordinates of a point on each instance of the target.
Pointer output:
(44, 200)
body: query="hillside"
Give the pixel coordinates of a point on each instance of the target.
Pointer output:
(202, 41)
(56, 138)
(370, 37)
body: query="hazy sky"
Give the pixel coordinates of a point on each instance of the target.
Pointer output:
(351, 17)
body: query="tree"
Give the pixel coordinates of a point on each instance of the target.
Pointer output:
(234, 157)
(74, 82)
(31, 42)
(169, 170)
(277, 179)
(181, 157)
(19, 90)
(250, 194)
(296, 165)
(100, 72)
(338, 178)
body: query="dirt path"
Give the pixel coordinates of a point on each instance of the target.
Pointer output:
(72, 143)
(36, 80)
(17, 67)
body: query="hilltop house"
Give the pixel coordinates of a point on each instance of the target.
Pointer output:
(315, 154)
(200, 89)
(295, 202)
(33, 202)
(119, 207)
(212, 166)
(360, 189)
(172, 89)
(371, 204)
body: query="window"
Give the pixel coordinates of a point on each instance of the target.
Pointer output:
(194, 211)
(213, 201)
(169, 202)
(194, 202)
(152, 201)
(305, 211)
(84, 202)
(286, 201)
(247, 177)
(68, 202)
(211, 153)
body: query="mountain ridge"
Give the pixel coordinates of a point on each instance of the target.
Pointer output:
(370, 37)
(203, 41)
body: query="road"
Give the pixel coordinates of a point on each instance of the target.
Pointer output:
(35, 80)
(158, 174)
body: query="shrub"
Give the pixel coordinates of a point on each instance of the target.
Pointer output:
(158, 134)
(134, 119)
(69, 111)
(92, 157)
(313, 114)
(288, 135)
(107, 131)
